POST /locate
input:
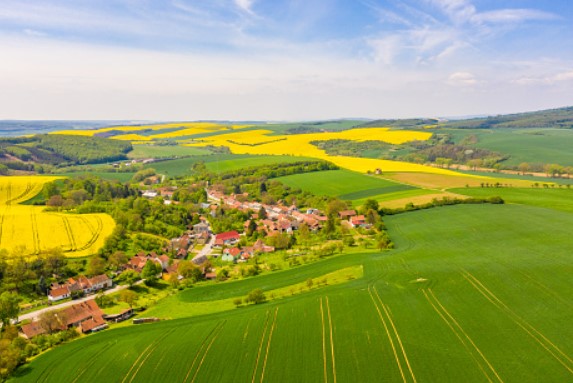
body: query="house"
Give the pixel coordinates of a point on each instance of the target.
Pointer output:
(226, 239)
(359, 220)
(231, 255)
(81, 283)
(59, 293)
(201, 227)
(86, 317)
(346, 214)
(162, 260)
(149, 194)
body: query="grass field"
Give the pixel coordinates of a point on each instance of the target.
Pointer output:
(158, 151)
(218, 163)
(29, 230)
(345, 184)
(471, 293)
(524, 145)
(554, 198)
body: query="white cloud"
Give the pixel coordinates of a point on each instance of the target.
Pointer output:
(464, 79)
(245, 5)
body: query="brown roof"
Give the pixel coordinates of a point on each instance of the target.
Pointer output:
(99, 279)
(347, 213)
(164, 258)
(59, 291)
(81, 312)
(227, 235)
(92, 323)
(32, 329)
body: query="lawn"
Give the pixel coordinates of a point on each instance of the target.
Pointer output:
(251, 161)
(471, 293)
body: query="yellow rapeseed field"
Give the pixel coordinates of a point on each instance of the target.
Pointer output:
(33, 229)
(261, 142)
(188, 128)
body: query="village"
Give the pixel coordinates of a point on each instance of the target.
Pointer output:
(198, 246)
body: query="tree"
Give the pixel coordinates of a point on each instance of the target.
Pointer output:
(370, 204)
(523, 167)
(129, 297)
(188, 270)
(256, 296)
(130, 277)
(96, 266)
(149, 272)
(372, 216)
(118, 258)
(237, 302)
(263, 188)
(309, 283)
(251, 228)
(9, 307)
(262, 213)
(52, 321)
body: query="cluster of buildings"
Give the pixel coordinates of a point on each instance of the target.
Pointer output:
(81, 284)
(86, 317)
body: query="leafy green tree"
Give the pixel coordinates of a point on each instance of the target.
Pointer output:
(129, 297)
(256, 296)
(9, 307)
(150, 272)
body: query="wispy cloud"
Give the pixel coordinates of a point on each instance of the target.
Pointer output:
(438, 29)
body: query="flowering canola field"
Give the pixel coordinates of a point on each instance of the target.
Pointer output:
(28, 230)
(261, 142)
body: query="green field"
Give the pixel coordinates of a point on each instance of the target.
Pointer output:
(553, 198)
(344, 184)
(158, 151)
(218, 163)
(471, 293)
(523, 145)
(251, 161)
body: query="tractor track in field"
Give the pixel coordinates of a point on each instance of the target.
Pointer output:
(269, 344)
(323, 342)
(385, 317)
(35, 232)
(211, 335)
(96, 233)
(207, 351)
(93, 360)
(261, 346)
(460, 333)
(71, 239)
(535, 334)
(145, 354)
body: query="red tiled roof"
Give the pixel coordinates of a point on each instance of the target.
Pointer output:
(33, 329)
(227, 235)
(60, 291)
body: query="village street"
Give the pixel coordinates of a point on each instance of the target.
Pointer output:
(206, 250)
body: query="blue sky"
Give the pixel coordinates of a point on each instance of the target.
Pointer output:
(282, 60)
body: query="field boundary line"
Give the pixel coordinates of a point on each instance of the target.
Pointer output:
(459, 332)
(207, 350)
(216, 327)
(260, 347)
(269, 344)
(541, 339)
(323, 342)
(331, 340)
(389, 316)
(387, 334)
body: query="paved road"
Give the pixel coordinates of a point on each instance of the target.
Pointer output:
(35, 314)
(206, 250)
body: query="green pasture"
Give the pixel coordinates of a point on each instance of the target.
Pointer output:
(158, 151)
(472, 293)
(344, 184)
(523, 145)
(552, 198)
(251, 161)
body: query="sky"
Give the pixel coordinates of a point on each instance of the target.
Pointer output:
(282, 60)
